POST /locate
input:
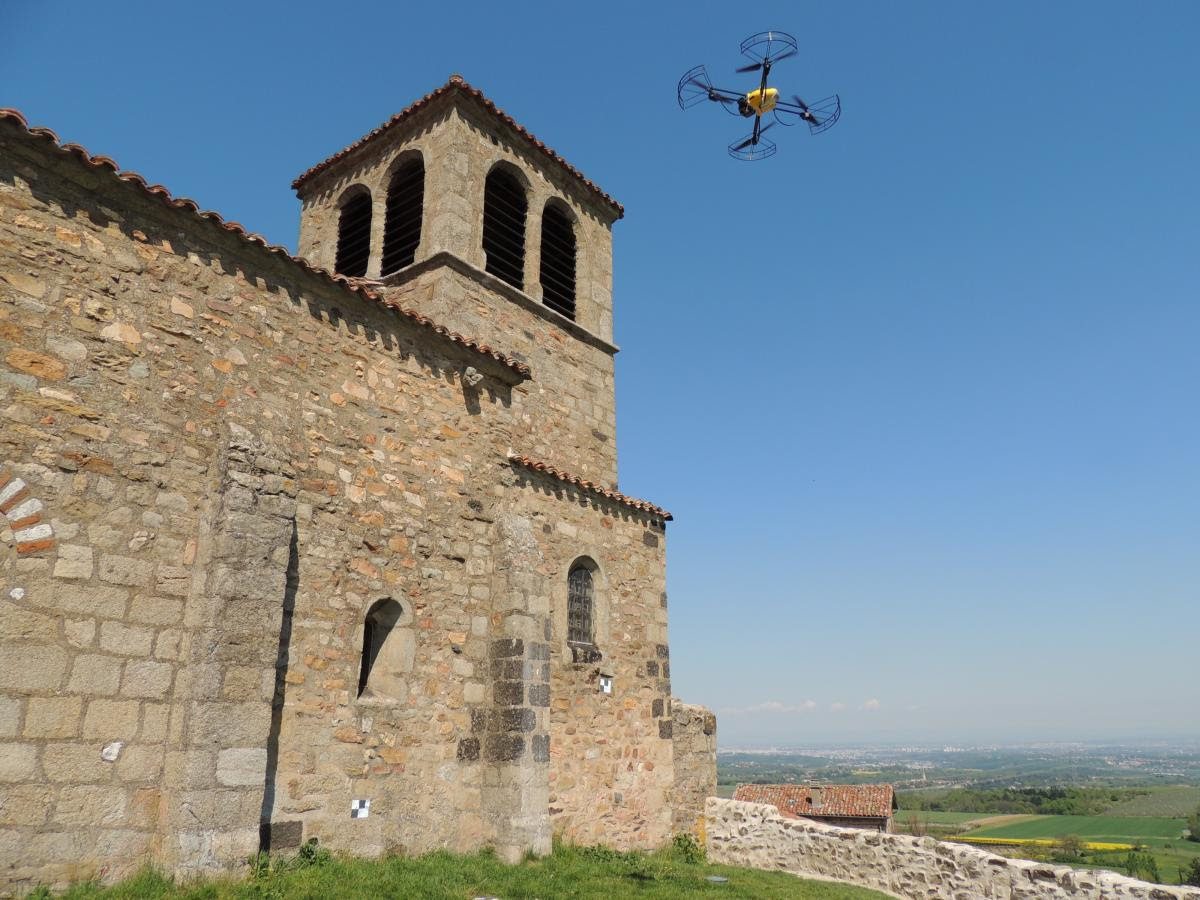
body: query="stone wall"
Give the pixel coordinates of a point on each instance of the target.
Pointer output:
(695, 756)
(215, 462)
(756, 835)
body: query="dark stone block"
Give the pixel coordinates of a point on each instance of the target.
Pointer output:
(509, 693)
(666, 672)
(656, 708)
(544, 674)
(539, 695)
(478, 721)
(281, 835)
(664, 729)
(503, 747)
(650, 539)
(663, 602)
(541, 748)
(652, 669)
(662, 651)
(508, 669)
(618, 798)
(546, 629)
(468, 749)
(507, 647)
(520, 719)
(539, 651)
(585, 653)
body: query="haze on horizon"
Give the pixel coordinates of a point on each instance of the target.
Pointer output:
(920, 391)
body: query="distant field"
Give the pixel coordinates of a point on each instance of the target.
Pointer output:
(938, 818)
(1116, 829)
(1174, 800)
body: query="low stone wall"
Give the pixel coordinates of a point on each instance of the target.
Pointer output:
(694, 735)
(756, 835)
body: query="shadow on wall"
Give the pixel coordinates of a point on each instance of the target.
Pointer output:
(280, 834)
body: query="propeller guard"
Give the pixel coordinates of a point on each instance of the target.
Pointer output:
(764, 148)
(768, 46)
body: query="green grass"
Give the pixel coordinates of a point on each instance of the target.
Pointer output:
(1117, 829)
(938, 818)
(1173, 800)
(570, 872)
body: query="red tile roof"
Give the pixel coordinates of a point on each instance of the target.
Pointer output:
(350, 284)
(456, 83)
(591, 487)
(836, 800)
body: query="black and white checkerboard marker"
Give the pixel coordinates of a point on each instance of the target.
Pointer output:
(360, 809)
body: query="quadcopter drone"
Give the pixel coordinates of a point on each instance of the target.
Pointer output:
(765, 49)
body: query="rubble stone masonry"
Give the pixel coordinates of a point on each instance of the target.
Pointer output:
(911, 868)
(215, 462)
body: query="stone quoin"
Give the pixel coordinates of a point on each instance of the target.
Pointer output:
(280, 539)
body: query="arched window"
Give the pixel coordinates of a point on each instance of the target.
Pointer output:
(558, 260)
(378, 627)
(504, 208)
(581, 597)
(402, 223)
(354, 236)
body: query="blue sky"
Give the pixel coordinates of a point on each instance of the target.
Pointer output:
(920, 391)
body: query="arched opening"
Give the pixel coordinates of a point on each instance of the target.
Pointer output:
(558, 260)
(377, 628)
(354, 236)
(504, 209)
(402, 221)
(581, 602)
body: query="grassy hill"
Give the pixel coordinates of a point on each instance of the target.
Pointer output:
(586, 873)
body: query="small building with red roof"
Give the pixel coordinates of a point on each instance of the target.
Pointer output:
(848, 805)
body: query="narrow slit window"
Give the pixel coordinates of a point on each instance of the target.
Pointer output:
(504, 209)
(354, 236)
(580, 597)
(402, 222)
(558, 261)
(381, 619)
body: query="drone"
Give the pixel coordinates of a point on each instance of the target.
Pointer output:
(766, 49)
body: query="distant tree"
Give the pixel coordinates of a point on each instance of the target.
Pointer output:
(916, 825)
(1194, 826)
(1069, 848)
(1140, 864)
(1191, 875)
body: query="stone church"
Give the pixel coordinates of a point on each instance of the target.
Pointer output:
(324, 546)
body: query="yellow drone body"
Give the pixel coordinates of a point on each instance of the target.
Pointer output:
(762, 100)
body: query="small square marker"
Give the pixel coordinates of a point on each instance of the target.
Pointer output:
(360, 809)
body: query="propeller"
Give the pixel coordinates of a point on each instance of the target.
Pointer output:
(753, 68)
(807, 114)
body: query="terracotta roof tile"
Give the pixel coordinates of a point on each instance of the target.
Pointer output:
(456, 83)
(350, 284)
(836, 800)
(591, 487)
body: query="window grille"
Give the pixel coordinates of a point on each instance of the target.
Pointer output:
(558, 261)
(504, 208)
(381, 618)
(402, 222)
(354, 237)
(580, 595)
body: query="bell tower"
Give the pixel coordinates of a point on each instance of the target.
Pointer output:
(455, 210)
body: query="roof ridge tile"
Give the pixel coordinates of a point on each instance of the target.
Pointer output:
(590, 486)
(457, 83)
